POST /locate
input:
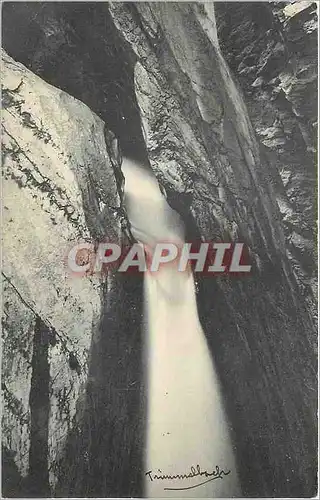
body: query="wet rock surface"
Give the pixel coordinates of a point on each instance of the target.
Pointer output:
(236, 164)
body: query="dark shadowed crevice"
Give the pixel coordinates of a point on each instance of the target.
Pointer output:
(262, 350)
(38, 479)
(76, 47)
(11, 479)
(104, 453)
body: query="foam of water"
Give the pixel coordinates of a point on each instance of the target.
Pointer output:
(186, 422)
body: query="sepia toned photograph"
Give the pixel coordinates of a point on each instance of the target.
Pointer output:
(159, 249)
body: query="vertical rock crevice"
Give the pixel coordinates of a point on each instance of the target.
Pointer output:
(39, 400)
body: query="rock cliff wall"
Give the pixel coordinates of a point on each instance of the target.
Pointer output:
(272, 50)
(236, 164)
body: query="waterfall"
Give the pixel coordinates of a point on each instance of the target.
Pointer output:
(187, 430)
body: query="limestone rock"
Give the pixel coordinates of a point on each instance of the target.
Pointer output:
(56, 173)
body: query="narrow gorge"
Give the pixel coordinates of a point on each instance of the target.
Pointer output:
(216, 104)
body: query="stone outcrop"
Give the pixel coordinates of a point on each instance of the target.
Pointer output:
(58, 190)
(236, 165)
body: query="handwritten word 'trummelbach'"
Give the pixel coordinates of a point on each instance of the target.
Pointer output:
(196, 471)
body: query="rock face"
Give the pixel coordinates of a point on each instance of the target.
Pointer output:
(58, 190)
(202, 147)
(272, 50)
(177, 107)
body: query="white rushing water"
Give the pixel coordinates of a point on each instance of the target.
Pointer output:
(186, 422)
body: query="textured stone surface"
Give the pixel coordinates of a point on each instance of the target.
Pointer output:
(272, 51)
(237, 166)
(58, 188)
(203, 148)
